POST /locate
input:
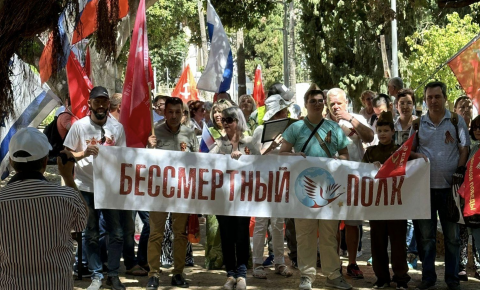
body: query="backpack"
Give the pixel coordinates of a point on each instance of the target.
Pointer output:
(54, 138)
(453, 119)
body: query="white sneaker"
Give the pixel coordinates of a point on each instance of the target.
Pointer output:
(338, 283)
(241, 284)
(305, 284)
(96, 284)
(230, 283)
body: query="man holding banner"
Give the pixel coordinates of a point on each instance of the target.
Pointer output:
(329, 141)
(83, 140)
(445, 142)
(170, 135)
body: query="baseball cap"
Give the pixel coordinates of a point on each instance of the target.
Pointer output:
(98, 92)
(30, 140)
(274, 104)
(282, 90)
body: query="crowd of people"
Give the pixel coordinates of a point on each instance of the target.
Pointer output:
(328, 130)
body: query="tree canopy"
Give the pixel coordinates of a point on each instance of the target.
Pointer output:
(434, 45)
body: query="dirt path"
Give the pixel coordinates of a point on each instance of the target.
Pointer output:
(199, 278)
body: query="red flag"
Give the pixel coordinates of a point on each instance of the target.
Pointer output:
(396, 164)
(136, 111)
(465, 66)
(88, 19)
(45, 63)
(258, 92)
(471, 186)
(79, 87)
(186, 88)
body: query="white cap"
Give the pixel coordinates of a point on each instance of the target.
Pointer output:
(273, 105)
(30, 140)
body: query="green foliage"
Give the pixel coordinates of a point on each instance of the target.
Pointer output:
(169, 56)
(264, 46)
(432, 46)
(242, 13)
(166, 18)
(168, 43)
(342, 39)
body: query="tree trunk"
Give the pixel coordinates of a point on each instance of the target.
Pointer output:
(291, 58)
(242, 80)
(201, 17)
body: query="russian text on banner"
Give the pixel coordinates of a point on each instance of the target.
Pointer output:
(268, 186)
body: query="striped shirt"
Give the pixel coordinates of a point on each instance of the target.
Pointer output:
(36, 247)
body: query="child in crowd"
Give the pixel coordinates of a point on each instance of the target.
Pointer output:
(382, 229)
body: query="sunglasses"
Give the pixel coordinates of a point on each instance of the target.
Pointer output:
(314, 102)
(228, 120)
(102, 139)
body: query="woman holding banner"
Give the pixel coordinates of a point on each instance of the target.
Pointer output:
(234, 230)
(277, 108)
(213, 247)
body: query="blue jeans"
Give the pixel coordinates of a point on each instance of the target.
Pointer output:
(142, 245)
(118, 223)
(129, 258)
(411, 239)
(426, 232)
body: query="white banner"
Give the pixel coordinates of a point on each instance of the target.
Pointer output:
(262, 186)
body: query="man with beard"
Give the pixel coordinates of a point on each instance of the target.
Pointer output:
(84, 139)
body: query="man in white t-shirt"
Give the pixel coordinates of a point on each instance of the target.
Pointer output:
(83, 139)
(356, 128)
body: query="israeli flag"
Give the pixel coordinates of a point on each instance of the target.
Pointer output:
(218, 73)
(33, 103)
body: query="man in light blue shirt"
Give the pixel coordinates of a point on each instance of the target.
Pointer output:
(447, 150)
(295, 137)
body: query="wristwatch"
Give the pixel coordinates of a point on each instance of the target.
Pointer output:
(351, 119)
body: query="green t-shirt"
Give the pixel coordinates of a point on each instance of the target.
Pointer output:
(297, 134)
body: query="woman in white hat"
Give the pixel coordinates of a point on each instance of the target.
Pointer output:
(276, 108)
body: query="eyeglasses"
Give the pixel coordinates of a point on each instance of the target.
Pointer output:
(316, 101)
(228, 120)
(102, 136)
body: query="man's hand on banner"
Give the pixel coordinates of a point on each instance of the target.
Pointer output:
(91, 150)
(152, 141)
(414, 155)
(377, 164)
(299, 154)
(236, 155)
